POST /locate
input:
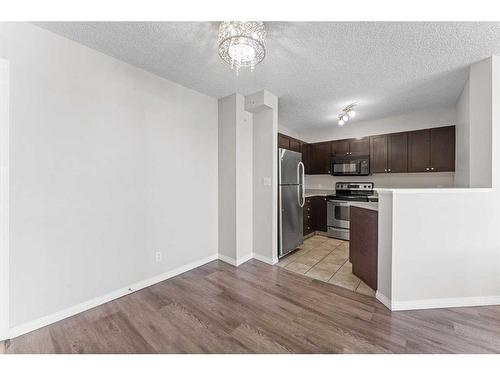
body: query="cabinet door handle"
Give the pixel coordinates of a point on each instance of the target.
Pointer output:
(385, 170)
(389, 169)
(432, 168)
(426, 169)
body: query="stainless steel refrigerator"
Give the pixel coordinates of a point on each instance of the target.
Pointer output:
(291, 199)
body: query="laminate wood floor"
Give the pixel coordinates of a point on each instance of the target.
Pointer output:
(258, 308)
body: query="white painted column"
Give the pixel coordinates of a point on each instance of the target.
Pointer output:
(264, 107)
(4, 200)
(235, 180)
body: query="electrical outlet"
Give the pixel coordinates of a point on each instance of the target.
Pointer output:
(158, 257)
(266, 181)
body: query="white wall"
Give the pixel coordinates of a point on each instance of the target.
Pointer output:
(287, 131)
(424, 119)
(108, 164)
(227, 176)
(462, 139)
(4, 199)
(474, 144)
(480, 112)
(444, 244)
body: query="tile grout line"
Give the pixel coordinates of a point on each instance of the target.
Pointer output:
(343, 264)
(321, 259)
(314, 263)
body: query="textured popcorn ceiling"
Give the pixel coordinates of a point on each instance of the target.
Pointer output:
(315, 68)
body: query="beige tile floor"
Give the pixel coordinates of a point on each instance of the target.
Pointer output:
(326, 259)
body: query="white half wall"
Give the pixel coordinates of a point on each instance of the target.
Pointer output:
(443, 245)
(108, 165)
(4, 200)
(439, 248)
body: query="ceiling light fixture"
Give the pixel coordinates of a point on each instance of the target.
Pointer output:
(242, 44)
(346, 114)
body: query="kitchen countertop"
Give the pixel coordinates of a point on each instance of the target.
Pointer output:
(368, 205)
(319, 192)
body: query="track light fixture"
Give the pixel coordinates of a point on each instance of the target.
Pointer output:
(346, 114)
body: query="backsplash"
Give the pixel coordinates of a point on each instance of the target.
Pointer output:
(386, 180)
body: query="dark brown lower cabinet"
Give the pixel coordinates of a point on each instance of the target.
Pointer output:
(363, 244)
(308, 218)
(314, 214)
(319, 211)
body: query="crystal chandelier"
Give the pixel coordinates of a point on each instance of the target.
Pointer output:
(346, 114)
(242, 44)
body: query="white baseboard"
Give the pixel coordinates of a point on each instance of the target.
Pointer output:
(265, 259)
(244, 259)
(66, 313)
(384, 300)
(445, 302)
(437, 303)
(235, 262)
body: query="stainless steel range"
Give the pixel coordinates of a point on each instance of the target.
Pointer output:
(338, 205)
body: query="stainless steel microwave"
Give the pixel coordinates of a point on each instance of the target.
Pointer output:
(351, 166)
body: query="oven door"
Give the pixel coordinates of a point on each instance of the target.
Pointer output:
(338, 214)
(346, 167)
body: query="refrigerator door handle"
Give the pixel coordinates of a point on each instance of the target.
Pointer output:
(301, 192)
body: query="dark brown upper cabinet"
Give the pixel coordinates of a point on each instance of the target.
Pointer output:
(351, 147)
(283, 141)
(295, 145)
(442, 149)
(428, 150)
(306, 157)
(397, 153)
(432, 150)
(359, 146)
(378, 153)
(289, 143)
(340, 148)
(321, 154)
(419, 156)
(389, 153)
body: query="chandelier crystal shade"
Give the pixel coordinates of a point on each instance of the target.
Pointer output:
(242, 44)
